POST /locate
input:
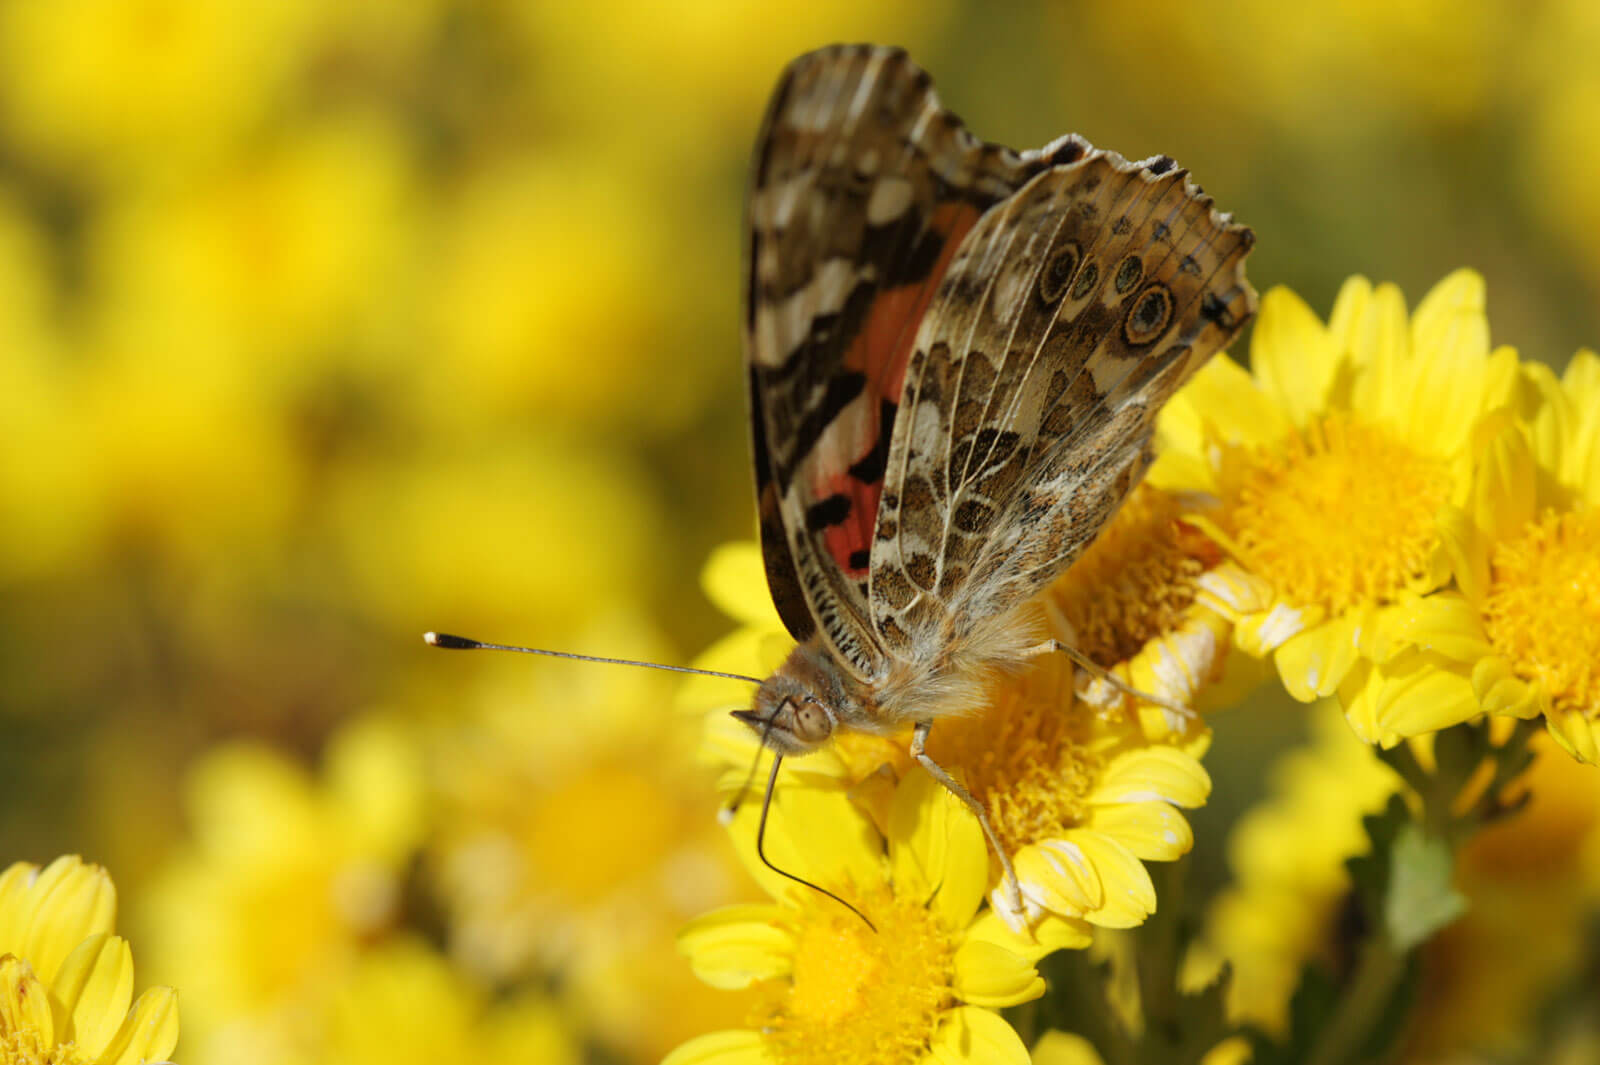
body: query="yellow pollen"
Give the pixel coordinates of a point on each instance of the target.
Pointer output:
(1338, 515)
(1135, 581)
(855, 996)
(1024, 757)
(1543, 608)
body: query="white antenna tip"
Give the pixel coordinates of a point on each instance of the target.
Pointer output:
(725, 816)
(431, 639)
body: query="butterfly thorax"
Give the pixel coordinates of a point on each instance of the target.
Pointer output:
(812, 694)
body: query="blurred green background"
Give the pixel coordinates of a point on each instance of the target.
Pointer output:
(325, 324)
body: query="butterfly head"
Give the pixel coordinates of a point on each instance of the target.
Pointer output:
(789, 719)
(799, 707)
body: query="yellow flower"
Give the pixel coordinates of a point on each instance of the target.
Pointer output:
(285, 879)
(1077, 795)
(1337, 468)
(405, 1005)
(1522, 635)
(1066, 1048)
(66, 982)
(143, 84)
(919, 985)
(1287, 857)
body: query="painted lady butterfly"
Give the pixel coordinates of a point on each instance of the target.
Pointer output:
(956, 354)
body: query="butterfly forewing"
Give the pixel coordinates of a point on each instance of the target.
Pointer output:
(1072, 312)
(863, 189)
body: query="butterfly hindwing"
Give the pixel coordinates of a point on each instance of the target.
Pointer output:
(863, 190)
(1071, 313)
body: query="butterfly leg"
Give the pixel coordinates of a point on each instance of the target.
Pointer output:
(919, 740)
(1085, 662)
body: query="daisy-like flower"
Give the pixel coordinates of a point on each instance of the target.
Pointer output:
(1337, 466)
(66, 982)
(1078, 794)
(920, 984)
(1521, 636)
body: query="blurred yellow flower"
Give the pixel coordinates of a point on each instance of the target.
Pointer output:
(109, 86)
(1523, 632)
(1066, 1048)
(293, 258)
(1337, 467)
(286, 877)
(573, 836)
(919, 985)
(404, 1005)
(66, 982)
(1287, 855)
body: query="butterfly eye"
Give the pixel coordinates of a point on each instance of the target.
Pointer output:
(811, 723)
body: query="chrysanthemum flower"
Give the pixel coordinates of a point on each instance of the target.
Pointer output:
(1522, 635)
(66, 982)
(285, 880)
(919, 985)
(1078, 794)
(1336, 467)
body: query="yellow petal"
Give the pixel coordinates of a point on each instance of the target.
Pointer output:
(735, 1047)
(1227, 399)
(1447, 378)
(1576, 734)
(1420, 693)
(1443, 622)
(15, 908)
(1293, 356)
(1128, 894)
(95, 987)
(1153, 831)
(1383, 348)
(24, 1002)
(1058, 877)
(812, 832)
(972, 1035)
(937, 847)
(71, 901)
(989, 975)
(1261, 634)
(1048, 935)
(1153, 774)
(736, 946)
(735, 580)
(1314, 662)
(1348, 321)
(1065, 1048)
(1505, 486)
(1500, 691)
(150, 1033)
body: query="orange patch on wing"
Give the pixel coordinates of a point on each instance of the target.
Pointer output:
(882, 351)
(883, 348)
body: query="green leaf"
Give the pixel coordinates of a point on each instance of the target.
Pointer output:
(1421, 898)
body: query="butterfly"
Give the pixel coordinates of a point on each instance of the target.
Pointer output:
(955, 355)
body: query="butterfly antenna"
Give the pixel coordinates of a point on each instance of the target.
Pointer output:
(461, 643)
(761, 835)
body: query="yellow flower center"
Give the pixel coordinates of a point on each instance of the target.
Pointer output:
(1338, 515)
(1135, 581)
(1024, 758)
(24, 1047)
(855, 996)
(1543, 608)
